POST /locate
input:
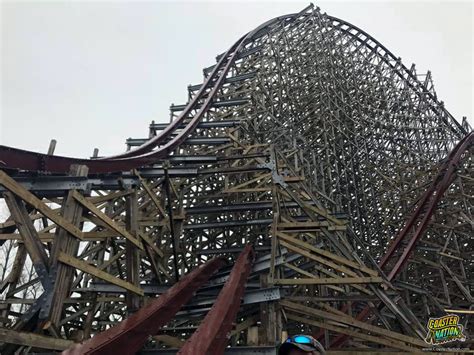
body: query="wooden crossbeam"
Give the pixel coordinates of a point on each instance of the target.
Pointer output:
(106, 219)
(308, 208)
(111, 260)
(169, 340)
(308, 274)
(27, 231)
(343, 330)
(108, 197)
(346, 319)
(155, 248)
(151, 194)
(327, 254)
(261, 177)
(33, 340)
(83, 266)
(35, 202)
(243, 325)
(319, 259)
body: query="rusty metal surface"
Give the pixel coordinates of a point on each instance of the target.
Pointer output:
(13, 158)
(399, 251)
(212, 335)
(418, 222)
(128, 336)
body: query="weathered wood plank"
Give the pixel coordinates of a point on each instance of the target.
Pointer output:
(344, 318)
(35, 202)
(132, 256)
(308, 274)
(27, 231)
(169, 340)
(63, 242)
(319, 259)
(33, 340)
(83, 266)
(327, 254)
(375, 339)
(106, 219)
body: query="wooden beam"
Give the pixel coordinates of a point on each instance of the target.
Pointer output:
(308, 274)
(327, 254)
(13, 279)
(169, 340)
(33, 340)
(111, 260)
(243, 325)
(83, 266)
(106, 219)
(375, 339)
(151, 194)
(63, 242)
(49, 237)
(155, 248)
(132, 255)
(319, 259)
(346, 319)
(108, 197)
(35, 202)
(29, 235)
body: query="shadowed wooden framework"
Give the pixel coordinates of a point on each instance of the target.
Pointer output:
(316, 149)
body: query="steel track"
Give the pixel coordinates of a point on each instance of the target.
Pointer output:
(146, 154)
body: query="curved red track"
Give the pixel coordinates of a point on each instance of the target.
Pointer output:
(146, 154)
(419, 220)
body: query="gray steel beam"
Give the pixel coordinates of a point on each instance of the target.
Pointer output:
(244, 53)
(56, 185)
(216, 124)
(134, 142)
(234, 223)
(250, 206)
(233, 79)
(223, 103)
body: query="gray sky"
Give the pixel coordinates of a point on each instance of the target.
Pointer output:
(91, 74)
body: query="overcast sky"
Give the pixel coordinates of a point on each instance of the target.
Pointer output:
(91, 74)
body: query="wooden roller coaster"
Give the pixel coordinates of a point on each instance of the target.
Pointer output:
(311, 184)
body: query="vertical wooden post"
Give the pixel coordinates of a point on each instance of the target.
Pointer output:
(252, 336)
(13, 279)
(63, 242)
(52, 147)
(276, 220)
(174, 243)
(268, 330)
(274, 242)
(132, 258)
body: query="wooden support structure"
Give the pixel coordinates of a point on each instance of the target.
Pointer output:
(68, 247)
(132, 254)
(308, 140)
(33, 340)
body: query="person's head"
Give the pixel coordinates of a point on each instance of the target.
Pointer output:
(301, 345)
